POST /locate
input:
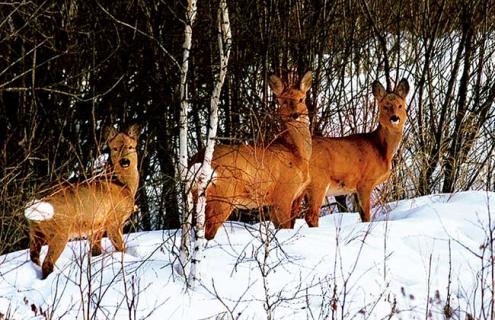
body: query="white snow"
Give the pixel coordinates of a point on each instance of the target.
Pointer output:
(400, 264)
(39, 210)
(100, 162)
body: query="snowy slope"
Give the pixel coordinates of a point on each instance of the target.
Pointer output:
(398, 265)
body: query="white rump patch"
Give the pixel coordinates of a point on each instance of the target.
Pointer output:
(194, 170)
(38, 210)
(194, 173)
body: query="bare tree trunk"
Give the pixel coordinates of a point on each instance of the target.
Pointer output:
(441, 132)
(430, 161)
(185, 246)
(382, 42)
(457, 135)
(224, 45)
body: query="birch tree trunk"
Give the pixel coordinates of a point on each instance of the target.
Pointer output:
(206, 173)
(185, 246)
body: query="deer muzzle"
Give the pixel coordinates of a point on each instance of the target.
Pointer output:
(295, 115)
(124, 162)
(395, 120)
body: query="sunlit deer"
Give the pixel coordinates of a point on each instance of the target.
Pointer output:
(88, 208)
(359, 162)
(251, 176)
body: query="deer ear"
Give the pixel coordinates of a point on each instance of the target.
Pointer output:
(306, 81)
(109, 133)
(276, 85)
(134, 131)
(402, 88)
(378, 90)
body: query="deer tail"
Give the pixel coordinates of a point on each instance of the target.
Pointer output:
(38, 210)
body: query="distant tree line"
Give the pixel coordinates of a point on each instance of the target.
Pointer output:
(69, 68)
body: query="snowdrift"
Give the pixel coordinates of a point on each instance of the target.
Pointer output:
(420, 257)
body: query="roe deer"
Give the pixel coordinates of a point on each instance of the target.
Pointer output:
(251, 176)
(359, 162)
(88, 208)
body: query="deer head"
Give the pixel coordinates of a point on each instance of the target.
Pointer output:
(392, 105)
(294, 113)
(292, 100)
(123, 153)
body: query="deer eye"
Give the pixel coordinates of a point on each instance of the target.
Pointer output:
(115, 149)
(301, 100)
(400, 106)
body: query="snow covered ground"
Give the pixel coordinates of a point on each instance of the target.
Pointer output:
(398, 267)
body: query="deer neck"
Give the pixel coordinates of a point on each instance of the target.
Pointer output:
(299, 138)
(129, 178)
(389, 141)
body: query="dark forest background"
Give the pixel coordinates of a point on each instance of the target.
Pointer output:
(69, 68)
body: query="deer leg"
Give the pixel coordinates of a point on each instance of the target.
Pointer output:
(315, 199)
(95, 242)
(296, 209)
(364, 194)
(55, 247)
(216, 214)
(356, 207)
(36, 241)
(281, 214)
(116, 234)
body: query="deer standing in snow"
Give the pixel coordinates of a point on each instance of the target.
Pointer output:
(88, 208)
(251, 176)
(359, 162)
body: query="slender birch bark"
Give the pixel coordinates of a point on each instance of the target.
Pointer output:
(206, 173)
(185, 245)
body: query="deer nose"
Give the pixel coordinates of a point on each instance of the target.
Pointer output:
(124, 163)
(295, 115)
(394, 120)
